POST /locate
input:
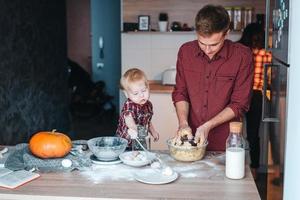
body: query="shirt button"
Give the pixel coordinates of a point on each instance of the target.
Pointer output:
(205, 106)
(207, 76)
(206, 91)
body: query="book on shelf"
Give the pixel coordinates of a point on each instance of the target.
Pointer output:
(12, 179)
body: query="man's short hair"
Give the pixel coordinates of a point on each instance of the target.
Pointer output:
(212, 19)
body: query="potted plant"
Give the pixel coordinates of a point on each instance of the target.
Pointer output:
(163, 22)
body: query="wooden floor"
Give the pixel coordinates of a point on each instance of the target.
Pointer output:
(270, 186)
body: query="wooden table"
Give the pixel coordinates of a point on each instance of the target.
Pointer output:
(208, 182)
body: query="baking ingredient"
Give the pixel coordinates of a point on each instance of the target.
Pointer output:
(168, 171)
(66, 163)
(47, 144)
(136, 156)
(156, 165)
(212, 167)
(186, 151)
(235, 162)
(235, 152)
(135, 153)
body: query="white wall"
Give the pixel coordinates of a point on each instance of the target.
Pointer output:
(292, 160)
(155, 52)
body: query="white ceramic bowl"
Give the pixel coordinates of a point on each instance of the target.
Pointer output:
(137, 161)
(107, 148)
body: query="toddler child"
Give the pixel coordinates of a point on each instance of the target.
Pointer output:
(137, 111)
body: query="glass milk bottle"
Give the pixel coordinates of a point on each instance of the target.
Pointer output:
(235, 152)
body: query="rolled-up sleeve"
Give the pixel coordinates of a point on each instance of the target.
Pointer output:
(180, 91)
(242, 90)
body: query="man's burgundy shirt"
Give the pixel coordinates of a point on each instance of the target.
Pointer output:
(211, 85)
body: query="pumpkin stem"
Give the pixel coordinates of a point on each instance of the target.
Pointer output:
(53, 130)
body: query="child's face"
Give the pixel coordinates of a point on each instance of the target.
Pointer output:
(138, 92)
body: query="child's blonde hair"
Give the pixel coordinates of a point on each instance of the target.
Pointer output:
(132, 75)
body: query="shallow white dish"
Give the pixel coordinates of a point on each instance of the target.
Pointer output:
(151, 176)
(95, 160)
(137, 163)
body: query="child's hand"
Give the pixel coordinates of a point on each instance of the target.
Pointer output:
(155, 135)
(132, 133)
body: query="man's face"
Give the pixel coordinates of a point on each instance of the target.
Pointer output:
(210, 45)
(138, 92)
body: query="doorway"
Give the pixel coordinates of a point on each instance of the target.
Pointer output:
(86, 23)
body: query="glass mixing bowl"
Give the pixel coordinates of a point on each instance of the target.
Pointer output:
(107, 148)
(186, 153)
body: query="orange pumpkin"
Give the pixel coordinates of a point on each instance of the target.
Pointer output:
(47, 144)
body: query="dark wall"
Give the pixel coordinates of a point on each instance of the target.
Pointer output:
(33, 74)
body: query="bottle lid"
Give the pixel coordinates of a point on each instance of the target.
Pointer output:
(235, 127)
(237, 8)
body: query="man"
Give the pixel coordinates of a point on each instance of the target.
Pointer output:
(214, 80)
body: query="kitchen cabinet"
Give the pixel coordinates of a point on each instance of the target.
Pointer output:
(164, 118)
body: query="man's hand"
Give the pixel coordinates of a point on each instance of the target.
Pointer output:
(202, 133)
(183, 131)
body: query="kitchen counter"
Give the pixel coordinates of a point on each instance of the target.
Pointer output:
(203, 179)
(158, 87)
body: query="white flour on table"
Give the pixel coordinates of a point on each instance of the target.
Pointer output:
(211, 167)
(100, 173)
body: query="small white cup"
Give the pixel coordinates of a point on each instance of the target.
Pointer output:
(163, 26)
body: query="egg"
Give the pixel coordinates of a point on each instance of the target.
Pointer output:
(155, 165)
(141, 157)
(66, 163)
(135, 153)
(168, 171)
(128, 157)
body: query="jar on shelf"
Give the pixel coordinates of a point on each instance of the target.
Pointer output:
(248, 16)
(230, 13)
(235, 152)
(237, 19)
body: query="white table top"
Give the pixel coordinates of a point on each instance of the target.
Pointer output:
(203, 179)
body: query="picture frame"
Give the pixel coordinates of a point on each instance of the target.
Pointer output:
(144, 23)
